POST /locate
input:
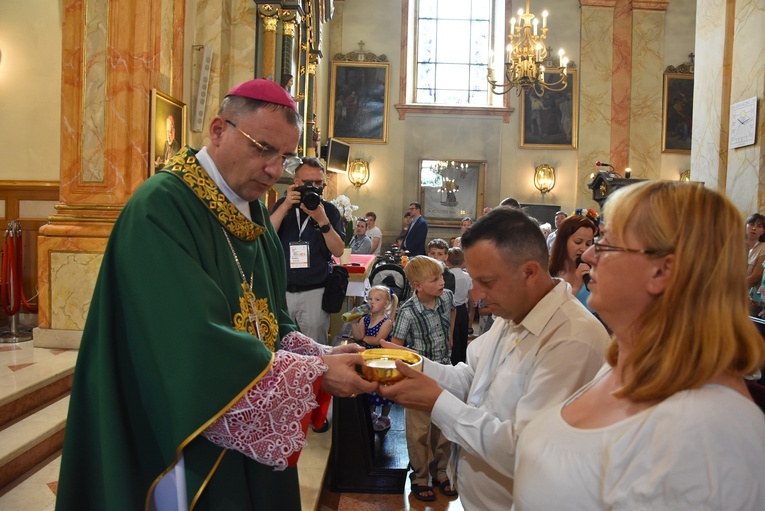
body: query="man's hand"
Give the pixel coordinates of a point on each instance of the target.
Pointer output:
(416, 391)
(319, 215)
(341, 379)
(278, 214)
(291, 198)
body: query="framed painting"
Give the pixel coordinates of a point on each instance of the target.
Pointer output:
(451, 190)
(677, 113)
(549, 120)
(358, 102)
(167, 129)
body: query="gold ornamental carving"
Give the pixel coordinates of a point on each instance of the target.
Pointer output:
(269, 23)
(268, 10)
(359, 56)
(288, 28)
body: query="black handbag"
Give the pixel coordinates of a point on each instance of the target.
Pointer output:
(335, 289)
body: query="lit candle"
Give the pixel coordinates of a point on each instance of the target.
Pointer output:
(544, 19)
(512, 26)
(535, 23)
(627, 172)
(520, 18)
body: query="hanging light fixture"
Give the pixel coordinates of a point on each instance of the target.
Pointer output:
(544, 178)
(527, 58)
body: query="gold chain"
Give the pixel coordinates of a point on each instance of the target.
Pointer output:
(246, 288)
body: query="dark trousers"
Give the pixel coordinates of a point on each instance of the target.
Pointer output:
(461, 324)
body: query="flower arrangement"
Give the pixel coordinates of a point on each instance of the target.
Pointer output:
(343, 204)
(588, 213)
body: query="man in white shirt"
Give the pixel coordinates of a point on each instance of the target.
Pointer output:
(374, 232)
(543, 346)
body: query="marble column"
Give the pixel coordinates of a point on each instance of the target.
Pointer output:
(310, 104)
(288, 47)
(621, 85)
(595, 85)
(647, 84)
(709, 145)
(745, 176)
(114, 53)
(229, 27)
(269, 19)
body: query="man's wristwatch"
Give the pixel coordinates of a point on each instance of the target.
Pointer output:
(324, 228)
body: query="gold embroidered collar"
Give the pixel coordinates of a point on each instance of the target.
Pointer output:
(185, 166)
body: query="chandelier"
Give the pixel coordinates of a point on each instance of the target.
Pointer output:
(527, 58)
(449, 171)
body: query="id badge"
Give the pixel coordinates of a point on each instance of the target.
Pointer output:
(299, 254)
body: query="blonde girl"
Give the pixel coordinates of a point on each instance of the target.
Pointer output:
(369, 330)
(377, 324)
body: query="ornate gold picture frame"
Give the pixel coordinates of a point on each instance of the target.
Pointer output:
(451, 190)
(167, 129)
(358, 103)
(550, 120)
(677, 113)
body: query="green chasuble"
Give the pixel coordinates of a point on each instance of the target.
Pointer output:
(168, 347)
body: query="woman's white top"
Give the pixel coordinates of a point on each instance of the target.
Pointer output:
(697, 450)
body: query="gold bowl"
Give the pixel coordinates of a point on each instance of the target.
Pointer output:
(380, 364)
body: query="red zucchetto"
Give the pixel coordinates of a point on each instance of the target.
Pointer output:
(263, 90)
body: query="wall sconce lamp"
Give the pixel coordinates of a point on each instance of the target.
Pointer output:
(358, 172)
(685, 175)
(544, 178)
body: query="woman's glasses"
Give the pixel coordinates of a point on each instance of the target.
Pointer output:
(599, 247)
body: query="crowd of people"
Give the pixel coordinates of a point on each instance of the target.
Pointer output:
(613, 373)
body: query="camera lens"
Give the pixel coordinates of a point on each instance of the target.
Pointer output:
(311, 200)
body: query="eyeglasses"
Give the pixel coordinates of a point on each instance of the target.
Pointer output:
(289, 162)
(599, 247)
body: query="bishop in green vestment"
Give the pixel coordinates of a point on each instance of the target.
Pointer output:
(192, 390)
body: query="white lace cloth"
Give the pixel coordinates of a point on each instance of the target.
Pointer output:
(265, 424)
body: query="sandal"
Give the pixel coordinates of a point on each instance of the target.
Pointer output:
(443, 485)
(418, 490)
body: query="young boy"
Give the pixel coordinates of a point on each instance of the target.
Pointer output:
(425, 324)
(438, 250)
(462, 304)
(374, 232)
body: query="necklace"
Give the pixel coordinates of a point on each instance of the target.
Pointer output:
(246, 289)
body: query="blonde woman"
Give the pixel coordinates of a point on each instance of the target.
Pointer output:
(668, 423)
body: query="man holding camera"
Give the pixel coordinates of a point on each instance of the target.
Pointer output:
(311, 231)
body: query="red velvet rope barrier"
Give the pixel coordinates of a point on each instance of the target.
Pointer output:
(11, 273)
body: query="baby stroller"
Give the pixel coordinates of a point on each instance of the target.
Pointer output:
(392, 276)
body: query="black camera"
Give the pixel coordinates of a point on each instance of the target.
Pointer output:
(310, 196)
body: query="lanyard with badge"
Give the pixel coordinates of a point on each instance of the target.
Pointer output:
(299, 250)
